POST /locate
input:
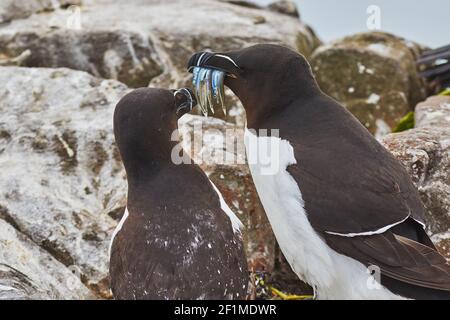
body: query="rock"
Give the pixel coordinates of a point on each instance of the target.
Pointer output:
(16, 61)
(61, 171)
(259, 20)
(218, 148)
(442, 242)
(243, 3)
(29, 272)
(11, 9)
(121, 55)
(284, 7)
(433, 113)
(154, 45)
(374, 75)
(425, 152)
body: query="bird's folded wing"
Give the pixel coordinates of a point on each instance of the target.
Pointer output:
(363, 194)
(397, 257)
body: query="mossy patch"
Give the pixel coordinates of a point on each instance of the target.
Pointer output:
(446, 92)
(406, 123)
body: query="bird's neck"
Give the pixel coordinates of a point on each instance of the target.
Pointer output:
(143, 182)
(258, 115)
(140, 170)
(159, 186)
(260, 108)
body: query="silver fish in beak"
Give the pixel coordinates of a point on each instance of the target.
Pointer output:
(211, 71)
(209, 89)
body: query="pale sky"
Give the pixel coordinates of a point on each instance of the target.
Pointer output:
(426, 22)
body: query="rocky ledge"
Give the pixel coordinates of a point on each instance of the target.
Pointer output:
(374, 75)
(425, 153)
(62, 179)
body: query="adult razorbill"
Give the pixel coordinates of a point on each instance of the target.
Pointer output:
(178, 239)
(341, 206)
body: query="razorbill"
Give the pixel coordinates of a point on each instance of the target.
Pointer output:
(177, 239)
(343, 209)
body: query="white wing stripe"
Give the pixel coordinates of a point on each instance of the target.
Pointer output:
(370, 233)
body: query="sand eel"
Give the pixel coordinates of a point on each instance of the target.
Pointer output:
(343, 209)
(178, 238)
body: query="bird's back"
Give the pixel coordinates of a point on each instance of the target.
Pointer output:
(178, 243)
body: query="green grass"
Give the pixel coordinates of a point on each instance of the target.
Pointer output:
(446, 92)
(406, 123)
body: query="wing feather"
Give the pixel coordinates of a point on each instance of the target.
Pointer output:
(397, 257)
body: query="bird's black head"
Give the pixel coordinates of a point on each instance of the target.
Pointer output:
(261, 76)
(144, 121)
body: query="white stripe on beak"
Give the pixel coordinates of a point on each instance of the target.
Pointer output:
(227, 58)
(200, 59)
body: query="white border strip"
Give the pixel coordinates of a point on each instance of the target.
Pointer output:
(235, 222)
(424, 226)
(118, 228)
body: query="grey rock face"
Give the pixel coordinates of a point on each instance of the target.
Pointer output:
(425, 152)
(285, 7)
(373, 75)
(29, 272)
(61, 173)
(11, 9)
(121, 55)
(137, 41)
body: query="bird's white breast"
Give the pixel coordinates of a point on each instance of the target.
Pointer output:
(334, 276)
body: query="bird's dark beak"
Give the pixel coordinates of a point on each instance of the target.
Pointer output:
(210, 71)
(185, 101)
(215, 61)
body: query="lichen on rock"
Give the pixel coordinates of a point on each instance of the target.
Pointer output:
(372, 74)
(59, 177)
(425, 153)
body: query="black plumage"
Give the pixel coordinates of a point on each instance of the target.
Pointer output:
(357, 196)
(177, 242)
